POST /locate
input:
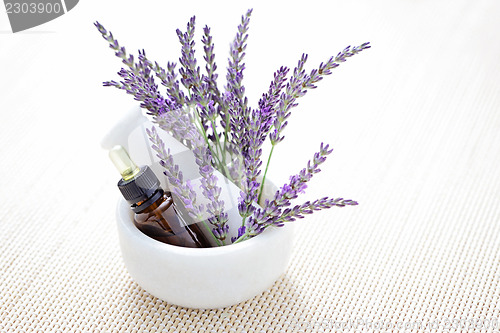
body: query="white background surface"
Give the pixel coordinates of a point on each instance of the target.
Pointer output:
(415, 123)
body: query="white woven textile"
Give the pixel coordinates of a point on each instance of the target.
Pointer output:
(415, 123)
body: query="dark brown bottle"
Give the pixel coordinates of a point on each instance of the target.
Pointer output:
(156, 214)
(161, 221)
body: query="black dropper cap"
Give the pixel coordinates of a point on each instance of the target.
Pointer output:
(139, 186)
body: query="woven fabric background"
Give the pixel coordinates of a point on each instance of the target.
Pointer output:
(415, 123)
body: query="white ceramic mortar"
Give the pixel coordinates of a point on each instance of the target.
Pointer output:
(195, 278)
(203, 278)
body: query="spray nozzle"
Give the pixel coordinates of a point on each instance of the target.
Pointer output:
(120, 158)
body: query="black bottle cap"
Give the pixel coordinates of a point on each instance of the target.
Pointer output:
(141, 187)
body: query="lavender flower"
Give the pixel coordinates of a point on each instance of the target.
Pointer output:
(169, 79)
(264, 217)
(220, 127)
(300, 82)
(250, 132)
(233, 122)
(211, 78)
(236, 66)
(298, 211)
(297, 87)
(257, 127)
(190, 72)
(237, 116)
(120, 52)
(137, 79)
(253, 227)
(294, 89)
(181, 122)
(182, 190)
(271, 98)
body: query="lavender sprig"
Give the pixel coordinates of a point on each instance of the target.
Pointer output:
(271, 98)
(190, 72)
(141, 85)
(137, 79)
(257, 128)
(169, 80)
(182, 123)
(251, 132)
(194, 118)
(300, 83)
(297, 87)
(263, 217)
(120, 51)
(236, 65)
(333, 62)
(235, 91)
(294, 90)
(254, 228)
(238, 117)
(139, 72)
(182, 190)
(211, 78)
(298, 211)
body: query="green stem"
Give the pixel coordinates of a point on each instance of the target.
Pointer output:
(265, 174)
(217, 140)
(241, 238)
(202, 129)
(222, 149)
(243, 221)
(226, 131)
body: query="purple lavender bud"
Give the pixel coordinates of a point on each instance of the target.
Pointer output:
(301, 82)
(211, 78)
(245, 129)
(298, 211)
(181, 123)
(273, 209)
(236, 66)
(191, 77)
(182, 190)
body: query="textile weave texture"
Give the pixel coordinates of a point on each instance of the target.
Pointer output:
(416, 132)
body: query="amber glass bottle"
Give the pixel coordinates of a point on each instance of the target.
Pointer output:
(156, 215)
(161, 220)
